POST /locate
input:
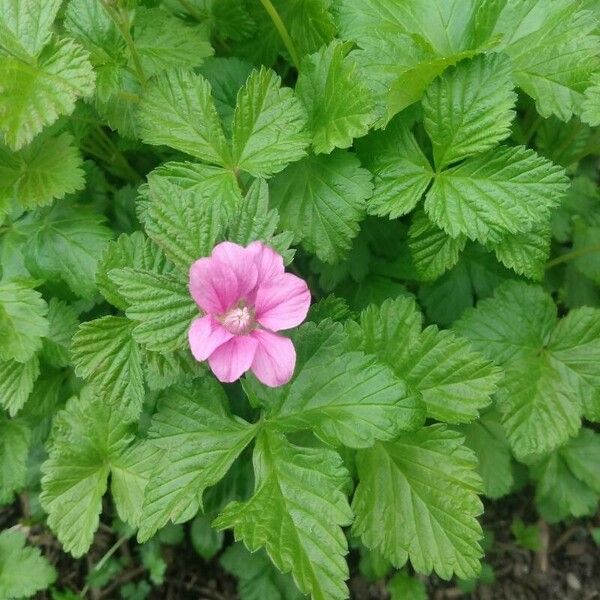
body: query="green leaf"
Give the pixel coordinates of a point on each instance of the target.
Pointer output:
(487, 439)
(22, 320)
(568, 483)
(15, 438)
(207, 542)
(297, 513)
(65, 242)
(48, 168)
(403, 45)
(525, 253)
(257, 578)
(135, 251)
(548, 364)
(26, 25)
(505, 190)
(554, 56)
(401, 172)
(16, 383)
(322, 200)
(164, 42)
(268, 126)
(200, 440)
(585, 239)
(88, 436)
(591, 103)
(183, 223)
(130, 472)
(468, 109)
(177, 110)
(404, 587)
(226, 77)
(218, 187)
(35, 94)
(343, 397)
(432, 250)
(23, 569)
(454, 381)
(527, 536)
(254, 221)
(160, 304)
(339, 106)
(106, 355)
(426, 505)
(63, 323)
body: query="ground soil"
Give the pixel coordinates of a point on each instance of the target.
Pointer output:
(566, 567)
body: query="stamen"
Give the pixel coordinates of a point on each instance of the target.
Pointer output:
(239, 320)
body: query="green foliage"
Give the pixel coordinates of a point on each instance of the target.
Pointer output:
(416, 163)
(23, 570)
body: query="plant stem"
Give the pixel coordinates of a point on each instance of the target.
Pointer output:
(569, 256)
(120, 18)
(103, 560)
(283, 32)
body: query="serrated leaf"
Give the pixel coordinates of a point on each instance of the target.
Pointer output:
(454, 381)
(401, 172)
(568, 483)
(218, 187)
(65, 242)
(468, 109)
(549, 378)
(200, 440)
(405, 45)
(525, 253)
(591, 103)
(555, 56)
(185, 224)
(130, 472)
(87, 436)
(135, 251)
(268, 126)
(48, 168)
(26, 25)
(23, 569)
(22, 320)
(15, 437)
(432, 250)
(505, 190)
(163, 41)
(426, 505)
(254, 221)
(63, 323)
(296, 514)
(257, 577)
(34, 95)
(343, 397)
(106, 355)
(16, 383)
(177, 110)
(322, 200)
(487, 439)
(160, 304)
(339, 106)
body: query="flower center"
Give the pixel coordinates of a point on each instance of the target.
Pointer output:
(239, 320)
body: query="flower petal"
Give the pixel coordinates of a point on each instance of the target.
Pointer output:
(275, 358)
(205, 336)
(213, 285)
(241, 261)
(231, 360)
(282, 303)
(268, 262)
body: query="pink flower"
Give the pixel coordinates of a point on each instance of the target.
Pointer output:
(246, 296)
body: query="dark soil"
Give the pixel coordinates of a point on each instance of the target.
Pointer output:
(566, 567)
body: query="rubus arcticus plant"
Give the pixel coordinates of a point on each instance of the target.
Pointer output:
(324, 273)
